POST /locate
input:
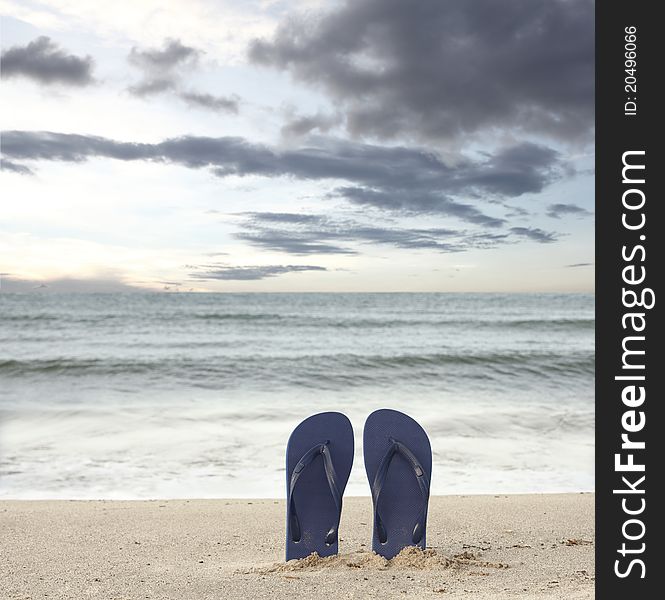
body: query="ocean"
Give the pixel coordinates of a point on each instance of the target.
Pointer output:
(187, 395)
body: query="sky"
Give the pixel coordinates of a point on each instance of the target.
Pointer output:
(272, 146)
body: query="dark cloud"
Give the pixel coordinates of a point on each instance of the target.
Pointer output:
(514, 170)
(42, 60)
(438, 70)
(303, 234)
(576, 265)
(535, 234)
(221, 103)
(226, 272)
(8, 165)
(69, 147)
(556, 211)
(397, 179)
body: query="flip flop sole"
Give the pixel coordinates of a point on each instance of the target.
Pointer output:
(316, 508)
(401, 500)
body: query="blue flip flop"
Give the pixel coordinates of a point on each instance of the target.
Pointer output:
(319, 456)
(398, 462)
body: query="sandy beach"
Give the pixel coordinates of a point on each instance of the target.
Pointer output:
(530, 546)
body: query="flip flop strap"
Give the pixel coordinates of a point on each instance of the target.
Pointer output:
(380, 478)
(322, 450)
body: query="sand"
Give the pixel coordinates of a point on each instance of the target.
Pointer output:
(481, 547)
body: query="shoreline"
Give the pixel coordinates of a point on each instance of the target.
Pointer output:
(489, 546)
(267, 498)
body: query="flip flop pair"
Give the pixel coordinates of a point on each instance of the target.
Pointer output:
(319, 456)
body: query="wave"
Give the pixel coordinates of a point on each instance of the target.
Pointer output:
(312, 371)
(238, 317)
(503, 323)
(298, 320)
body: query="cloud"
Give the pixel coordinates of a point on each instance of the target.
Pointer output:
(425, 202)
(172, 55)
(516, 170)
(221, 103)
(576, 265)
(225, 272)
(535, 234)
(556, 211)
(8, 165)
(299, 243)
(149, 87)
(397, 179)
(163, 67)
(42, 60)
(15, 284)
(304, 234)
(291, 218)
(440, 70)
(302, 125)
(164, 70)
(516, 211)
(293, 233)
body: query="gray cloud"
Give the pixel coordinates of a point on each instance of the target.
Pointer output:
(293, 233)
(222, 103)
(576, 265)
(438, 70)
(14, 284)
(397, 179)
(164, 70)
(516, 211)
(303, 234)
(417, 202)
(149, 87)
(290, 218)
(515, 170)
(42, 60)
(301, 125)
(225, 272)
(535, 234)
(172, 55)
(299, 243)
(8, 165)
(556, 211)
